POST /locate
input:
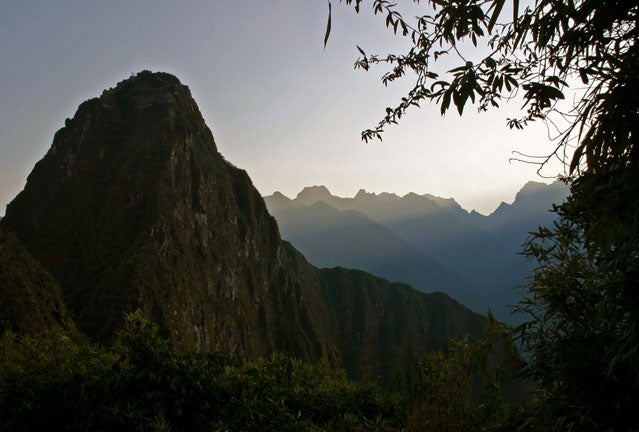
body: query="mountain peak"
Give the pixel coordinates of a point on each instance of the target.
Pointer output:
(312, 194)
(503, 206)
(362, 194)
(146, 89)
(532, 190)
(137, 176)
(388, 195)
(532, 187)
(280, 196)
(146, 82)
(412, 196)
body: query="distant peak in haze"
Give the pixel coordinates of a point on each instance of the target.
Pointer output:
(280, 195)
(311, 194)
(501, 207)
(363, 194)
(533, 186)
(532, 196)
(533, 189)
(412, 195)
(475, 213)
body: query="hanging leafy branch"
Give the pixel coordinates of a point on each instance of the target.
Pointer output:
(534, 53)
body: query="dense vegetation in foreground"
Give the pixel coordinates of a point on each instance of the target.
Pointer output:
(142, 383)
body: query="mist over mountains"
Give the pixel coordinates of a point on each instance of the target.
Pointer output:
(429, 242)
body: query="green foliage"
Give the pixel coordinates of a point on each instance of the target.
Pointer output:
(141, 384)
(51, 380)
(461, 388)
(54, 382)
(281, 393)
(583, 308)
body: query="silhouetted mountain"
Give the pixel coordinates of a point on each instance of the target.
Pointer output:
(482, 251)
(530, 209)
(134, 208)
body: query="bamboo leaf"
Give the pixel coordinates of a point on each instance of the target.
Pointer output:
(328, 26)
(499, 4)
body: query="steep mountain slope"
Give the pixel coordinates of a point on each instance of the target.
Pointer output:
(379, 328)
(133, 207)
(30, 299)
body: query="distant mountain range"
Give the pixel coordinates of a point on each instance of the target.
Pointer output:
(429, 242)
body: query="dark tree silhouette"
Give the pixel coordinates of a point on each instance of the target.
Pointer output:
(582, 301)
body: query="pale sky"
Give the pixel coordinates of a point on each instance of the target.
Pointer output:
(280, 106)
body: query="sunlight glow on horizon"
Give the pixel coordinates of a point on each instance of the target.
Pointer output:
(279, 105)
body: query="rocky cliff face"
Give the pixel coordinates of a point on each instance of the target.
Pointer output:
(133, 207)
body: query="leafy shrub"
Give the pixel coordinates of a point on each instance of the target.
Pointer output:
(51, 380)
(141, 383)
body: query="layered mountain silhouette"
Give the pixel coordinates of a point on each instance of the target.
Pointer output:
(427, 241)
(134, 208)
(329, 237)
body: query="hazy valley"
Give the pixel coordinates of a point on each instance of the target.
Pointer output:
(428, 242)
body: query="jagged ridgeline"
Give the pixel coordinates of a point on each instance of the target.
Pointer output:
(133, 208)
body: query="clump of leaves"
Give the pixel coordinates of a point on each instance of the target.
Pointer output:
(51, 380)
(281, 393)
(582, 307)
(461, 387)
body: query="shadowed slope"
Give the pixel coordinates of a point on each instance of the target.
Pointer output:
(30, 299)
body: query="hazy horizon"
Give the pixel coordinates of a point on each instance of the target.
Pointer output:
(293, 195)
(279, 105)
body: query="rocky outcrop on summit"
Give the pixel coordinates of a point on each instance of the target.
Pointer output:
(134, 207)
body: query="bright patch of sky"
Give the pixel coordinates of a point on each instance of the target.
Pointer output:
(280, 106)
